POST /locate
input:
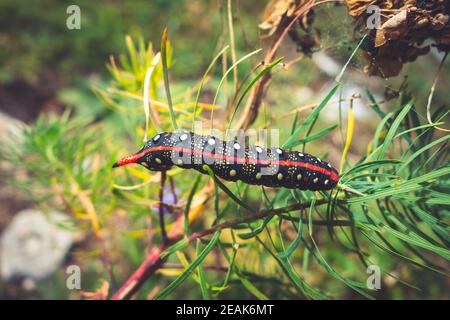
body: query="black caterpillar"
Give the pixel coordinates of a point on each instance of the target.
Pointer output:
(270, 167)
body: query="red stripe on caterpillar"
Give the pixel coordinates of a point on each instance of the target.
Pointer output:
(232, 161)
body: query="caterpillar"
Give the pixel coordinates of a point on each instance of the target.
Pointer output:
(234, 160)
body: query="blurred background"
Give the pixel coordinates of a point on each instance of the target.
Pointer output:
(61, 81)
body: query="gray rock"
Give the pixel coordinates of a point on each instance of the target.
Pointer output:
(33, 245)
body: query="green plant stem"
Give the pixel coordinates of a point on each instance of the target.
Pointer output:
(166, 77)
(161, 209)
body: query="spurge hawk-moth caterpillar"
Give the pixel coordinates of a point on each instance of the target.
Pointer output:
(232, 161)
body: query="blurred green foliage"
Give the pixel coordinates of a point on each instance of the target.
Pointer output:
(34, 38)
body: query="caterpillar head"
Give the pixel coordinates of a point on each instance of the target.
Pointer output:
(151, 155)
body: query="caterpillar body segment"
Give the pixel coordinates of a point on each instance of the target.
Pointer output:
(234, 160)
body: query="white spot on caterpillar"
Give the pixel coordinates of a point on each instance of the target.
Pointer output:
(233, 173)
(211, 141)
(299, 177)
(280, 176)
(279, 151)
(180, 162)
(325, 182)
(183, 137)
(236, 146)
(316, 180)
(301, 154)
(259, 149)
(258, 176)
(156, 138)
(158, 160)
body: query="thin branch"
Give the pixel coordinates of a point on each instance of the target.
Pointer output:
(255, 96)
(232, 44)
(261, 215)
(149, 112)
(173, 190)
(150, 233)
(161, 209)
(153, 261)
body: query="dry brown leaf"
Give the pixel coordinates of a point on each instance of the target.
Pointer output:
(276, 10)
(358, 7)
(405, 25)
